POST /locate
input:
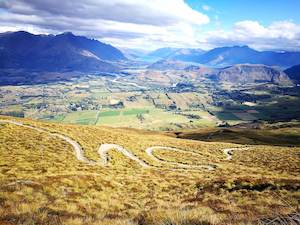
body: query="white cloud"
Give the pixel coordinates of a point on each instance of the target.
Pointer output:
(280, 35)
(155, 12)
(249, 28)
(155, 22)
(143, 24)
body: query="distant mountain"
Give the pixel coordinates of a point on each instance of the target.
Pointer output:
(294, 73)
(167, 65)
(161, 53)
(182, 54)
(186, 54)
(249, 73)
(227, 56)
(134, 54)
(55, 53)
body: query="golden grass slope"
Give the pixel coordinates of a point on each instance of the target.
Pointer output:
(42, 182)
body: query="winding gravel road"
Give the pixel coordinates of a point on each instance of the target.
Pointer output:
(79, 153)
(104, 148)
(150, 150)
(229, 152)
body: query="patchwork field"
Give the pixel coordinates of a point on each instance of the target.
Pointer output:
(153, 100)
(55, 173)
(81, 117)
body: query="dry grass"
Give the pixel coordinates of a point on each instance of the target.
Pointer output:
(41, 182)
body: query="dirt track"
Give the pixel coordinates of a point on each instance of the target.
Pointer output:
(104, 148)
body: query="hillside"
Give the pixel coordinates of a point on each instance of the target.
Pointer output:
(55, 53)
(55, 173)
(255, 133)
(236, 74)
(294, 73)
(247, 73)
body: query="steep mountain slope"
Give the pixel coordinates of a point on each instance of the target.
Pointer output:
(63, 52)
(249, 73)
(294, 73)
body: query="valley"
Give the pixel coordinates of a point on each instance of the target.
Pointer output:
(152, 99)
(93, 135)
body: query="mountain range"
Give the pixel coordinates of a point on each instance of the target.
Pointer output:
(63, 52)
(227, 56)
(29, 58)
(68, 52)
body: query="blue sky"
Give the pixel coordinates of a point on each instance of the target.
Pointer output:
(151, 24)
(264, 11)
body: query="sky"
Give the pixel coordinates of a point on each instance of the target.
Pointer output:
(151, 24)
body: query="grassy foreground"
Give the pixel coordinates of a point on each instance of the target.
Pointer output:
(42, 182)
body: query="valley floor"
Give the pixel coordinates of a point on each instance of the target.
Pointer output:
(55, 173)
(152, 100)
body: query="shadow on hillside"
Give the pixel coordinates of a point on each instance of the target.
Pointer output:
(273, 137)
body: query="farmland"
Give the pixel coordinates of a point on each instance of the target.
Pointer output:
(151, 100)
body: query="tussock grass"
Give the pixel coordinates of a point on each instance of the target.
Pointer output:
(42, 182)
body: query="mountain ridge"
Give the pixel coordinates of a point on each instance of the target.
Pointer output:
(62, 52)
